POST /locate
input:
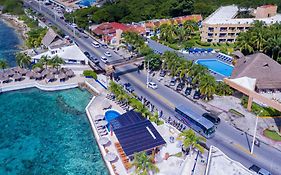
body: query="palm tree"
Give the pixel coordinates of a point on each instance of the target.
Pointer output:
(259, 39)
(196, 72)
(207, 85)
(3, 64)
(223, 89)
(184, 68)
(44, 61)
(244, 43)
(191, 140)
(23, 60)
(144, 165)
(56, 61)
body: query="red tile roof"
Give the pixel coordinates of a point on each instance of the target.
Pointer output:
(109, 28)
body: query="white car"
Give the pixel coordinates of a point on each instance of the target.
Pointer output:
(152, 85)
(95, 44)
(104, 59)
(108, 54)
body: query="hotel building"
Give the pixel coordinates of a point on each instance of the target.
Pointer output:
(224, 25)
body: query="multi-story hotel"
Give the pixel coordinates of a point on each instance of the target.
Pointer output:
(224, 25)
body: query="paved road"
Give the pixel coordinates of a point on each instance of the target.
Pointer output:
(231, 141)
(82, 42)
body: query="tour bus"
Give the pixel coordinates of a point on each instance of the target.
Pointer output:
(197, 122)
(95, 44)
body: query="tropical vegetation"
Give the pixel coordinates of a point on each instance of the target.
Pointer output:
(35, 36)
(273, 135)
(144, 164)
(259, 110)
(90, 73)
(12, 6)
(3, 64)
(184, 69)
(262, 38)
(23, 60)
(191, 140)
(122, 95)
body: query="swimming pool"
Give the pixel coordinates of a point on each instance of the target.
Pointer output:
(217, 66)
(110, 115)
(87, 3)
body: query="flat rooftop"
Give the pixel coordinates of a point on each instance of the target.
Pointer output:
(226, 14)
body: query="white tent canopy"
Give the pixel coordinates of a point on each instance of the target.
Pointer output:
(246, 82)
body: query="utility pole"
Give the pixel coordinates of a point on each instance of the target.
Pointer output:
(255, 131)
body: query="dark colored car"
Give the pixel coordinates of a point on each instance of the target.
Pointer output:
(259, 171)
(214, 119)
(180, 86)
(129, 87)
(188, 91)
(196, 95)
(162, 73)
(104, 46)
(87, 54)
(116, 78)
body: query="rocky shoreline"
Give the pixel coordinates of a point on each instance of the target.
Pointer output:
(20, 27)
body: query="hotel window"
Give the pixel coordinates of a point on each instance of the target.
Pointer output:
(222, 34)
(223, 29)
(209, 40)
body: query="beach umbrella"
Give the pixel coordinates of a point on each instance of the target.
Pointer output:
(30, 74)
(110, 156)
(9, 72)
(62, 76)
(45, 72)
(37, 69)
(102, 123)
(53, 70)
(50, 77)
(4, 78)
(103, 140)
(38, 75)
(70, 73)
(17, 76)
(23, 71)
(99, 117)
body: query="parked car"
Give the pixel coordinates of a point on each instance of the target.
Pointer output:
(108, 54)
(173, 82)
(95, 60)
(129, 87)
(214, 119)
(116, 78)
(152, 85)
(104, 59)
(180, 86)
(188, 91)
(87, 54)
(196, 95)
(95, 44)
(104, 46)
(259, 171)
(162, 73)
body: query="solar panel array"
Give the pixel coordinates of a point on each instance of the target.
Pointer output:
(136, 137)
(128, 118)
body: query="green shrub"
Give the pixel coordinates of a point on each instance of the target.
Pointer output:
(202, 43)
(90, 73)
(273, 135)
(259, 110)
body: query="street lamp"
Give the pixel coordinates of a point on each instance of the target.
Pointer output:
(147, 76)
(255, 131)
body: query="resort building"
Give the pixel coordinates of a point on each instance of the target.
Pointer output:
(135, 134)
(225, 24)
(52, 39)
(71, 54)
(259, 66)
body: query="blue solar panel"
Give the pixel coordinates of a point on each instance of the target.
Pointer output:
(135, 133)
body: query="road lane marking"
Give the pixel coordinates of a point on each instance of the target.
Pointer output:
(163, 99)
(269, 117)
(244, 149)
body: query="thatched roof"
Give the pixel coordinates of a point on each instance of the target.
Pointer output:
(238, 54)
(261, 67)
(50, 37)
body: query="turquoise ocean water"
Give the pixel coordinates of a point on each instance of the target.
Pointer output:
(9, 43)
(47, 133)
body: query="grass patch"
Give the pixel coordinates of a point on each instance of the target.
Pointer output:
(273, 135)
(90, 74)
(233, 111)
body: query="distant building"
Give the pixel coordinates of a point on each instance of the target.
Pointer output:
(224, 25)
(260, 67)
(52, 39)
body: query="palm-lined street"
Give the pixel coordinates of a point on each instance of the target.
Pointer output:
(234, 143)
